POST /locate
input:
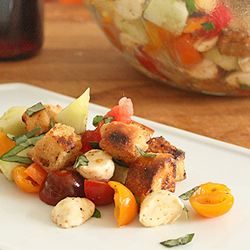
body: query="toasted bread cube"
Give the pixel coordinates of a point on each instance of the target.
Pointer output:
(148, 174)
(41, 118)
(58, 149)
(160, 145)
(120, 140)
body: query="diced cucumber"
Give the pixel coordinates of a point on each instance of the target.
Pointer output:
(11, 121)
(225, 62)
(168, 14)
(76, 113)
(7, 167)
(134, 28)
(130, 9)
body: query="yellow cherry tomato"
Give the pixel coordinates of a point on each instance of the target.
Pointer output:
(23, 180)
(212, 200)
(126, 207)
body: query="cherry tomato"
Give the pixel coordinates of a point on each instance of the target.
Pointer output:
(36, 172)
(220, 17)
(98, 192)
(120, 114)
(212, 200)
(126, 207)
(90, 136)
(23, 181)
(60, 184)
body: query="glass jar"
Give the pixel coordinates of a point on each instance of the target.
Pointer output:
(21, 28)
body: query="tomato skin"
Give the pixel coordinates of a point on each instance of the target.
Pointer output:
(126, 207)
(98, 192)
(36, 172)
(90, 136)
(60, 184)
(212, 200)
(23, 181)
(120, 114)
(220, 17)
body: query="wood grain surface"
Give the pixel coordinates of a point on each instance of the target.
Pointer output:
(76, 55)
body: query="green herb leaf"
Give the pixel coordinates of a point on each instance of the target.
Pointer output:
(191, 6)
(18, 159)
(143, 153)
(186, 196)
(94, 144)
(97, 119)
(208, 26)
(108, 119)
(21, 138)
(119, 163)
(52, 124)
(97, 214)
(35, 108)
(186, 211)
(179, 241)
(81, 161)
(137, 200)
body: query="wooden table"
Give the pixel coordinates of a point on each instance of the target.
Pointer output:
(76, 55)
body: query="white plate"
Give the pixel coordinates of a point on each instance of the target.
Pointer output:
(25, 222)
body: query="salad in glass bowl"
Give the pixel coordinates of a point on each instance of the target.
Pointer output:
(196, 45)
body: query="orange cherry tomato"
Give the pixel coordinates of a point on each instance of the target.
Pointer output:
(6, 143)
(23, 181)
(212, 200)
(126, 207)
(36, 173)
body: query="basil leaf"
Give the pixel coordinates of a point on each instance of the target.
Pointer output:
(108, 119)
(186, 211)
(97, 214)
(191, 6)
(208, 26)
(35, 108)
(97, 119)
(179, 241)
(81, 161)
(145, 154)
(186, 196)
(21, 138)
(18, 159)
(52, 124)
(94, 144)
(119, 163)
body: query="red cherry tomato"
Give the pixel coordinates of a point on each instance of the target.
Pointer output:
(220, 17)
(60, 184)
(120, 114)
(89, 136)
(98, 192)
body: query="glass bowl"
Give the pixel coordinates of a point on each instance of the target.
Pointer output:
(196, 45)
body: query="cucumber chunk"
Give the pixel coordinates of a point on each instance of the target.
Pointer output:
(76, 113)
(11, 121)
(168, 14)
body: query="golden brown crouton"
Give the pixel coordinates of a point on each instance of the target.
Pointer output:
(120, 140)
(234, 43)
(58, 149)
(148, 174)
(160, 145)
(41, 118)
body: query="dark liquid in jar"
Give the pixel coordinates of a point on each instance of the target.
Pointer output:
(21, 28)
